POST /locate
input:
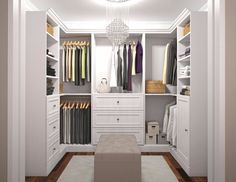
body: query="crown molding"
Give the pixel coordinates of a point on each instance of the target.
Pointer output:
(98, 27)
(29, 6)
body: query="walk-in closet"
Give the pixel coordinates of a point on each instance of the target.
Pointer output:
(85, 82)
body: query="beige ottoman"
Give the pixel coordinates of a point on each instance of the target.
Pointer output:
(117, 159)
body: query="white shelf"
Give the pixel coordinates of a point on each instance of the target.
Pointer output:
(185, 59)
(185, 39)
(164, 94)
(75, 94)
(183, 96)
(52, 77)
(51, 39)
(184, 77)
(52, 58)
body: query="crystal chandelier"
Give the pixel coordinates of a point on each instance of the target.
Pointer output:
(117, 18)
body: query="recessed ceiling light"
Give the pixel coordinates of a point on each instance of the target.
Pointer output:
(115, 3)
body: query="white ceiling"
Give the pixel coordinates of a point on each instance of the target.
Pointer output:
(145, 10)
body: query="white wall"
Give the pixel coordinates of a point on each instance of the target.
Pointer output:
(230, 90)
(3, 81)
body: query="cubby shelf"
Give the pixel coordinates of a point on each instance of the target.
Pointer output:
(51, 58)
(185, 39)
(51, 39)
(185, 59)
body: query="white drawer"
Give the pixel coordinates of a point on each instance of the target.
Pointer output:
(53, 106)
(137, 132)
(118, 102)
(53, 125)
(53, 149)
(118, 119)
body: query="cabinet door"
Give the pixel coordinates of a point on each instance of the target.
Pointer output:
(183, 129)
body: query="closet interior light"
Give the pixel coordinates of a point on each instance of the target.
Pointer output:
(119, 3)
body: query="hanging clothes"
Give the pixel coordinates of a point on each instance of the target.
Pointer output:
(76, 63)
(133, 48)
(119, 69)
(170, 64)
(88, 63)
(73, 64)
(113, 78)
(130, 61)
(172, 120)
(75, 123)
(166, 116)
(139, 58)
(125, 71)
(165, 64)
(83, 63)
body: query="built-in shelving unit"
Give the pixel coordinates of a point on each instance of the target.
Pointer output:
(42, 101)
(191, 146)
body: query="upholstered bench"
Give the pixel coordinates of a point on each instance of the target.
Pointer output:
(117, 159)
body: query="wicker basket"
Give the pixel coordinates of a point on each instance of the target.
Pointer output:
(50, 29)
(186, 29)
(155, 86)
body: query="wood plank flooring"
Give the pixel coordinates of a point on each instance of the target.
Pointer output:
(57, 171)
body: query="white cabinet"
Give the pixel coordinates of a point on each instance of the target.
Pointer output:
(118, 114)
(183, 129)
(192, 110)
(42, 110)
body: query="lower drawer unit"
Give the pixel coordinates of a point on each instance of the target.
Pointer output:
(53, 106)
(118, 102)
(53, 147)
(53, 125)
(137, 132)
(118, 119)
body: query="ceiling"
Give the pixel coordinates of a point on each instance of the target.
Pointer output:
(145, 10)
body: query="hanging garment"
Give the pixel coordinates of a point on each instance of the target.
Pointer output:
(133, 48)
(172, 117)
(130, 60)
(88, 65)
(83, 63)
(166, 116)
(171, 61)
(119, 69)
(72, 125)
(77, 71)
(174, 131)
(61, 125)
(113, 80)
(70, 64)
(67, 63)
(73, 64)
(63, 64)
(165, 64)
(139, 58)
(77, 126)
(125, 71)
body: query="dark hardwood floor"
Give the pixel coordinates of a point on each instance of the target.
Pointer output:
(176, 168)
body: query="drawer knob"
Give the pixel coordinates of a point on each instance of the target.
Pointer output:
(186, 130)
(118, 102)
(54, 127)
(54, 105)
(118, 119)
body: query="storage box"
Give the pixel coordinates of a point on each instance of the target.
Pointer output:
(153, 127)
(151, 139)
(50, 29)
(186, 29)
(162, 139)
(155, 86)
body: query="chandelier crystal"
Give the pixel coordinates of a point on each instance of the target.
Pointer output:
(117, 20)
